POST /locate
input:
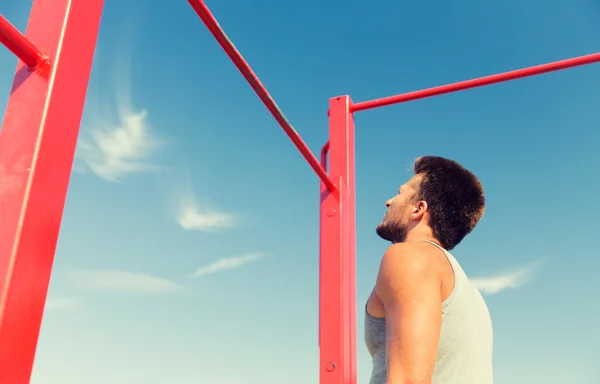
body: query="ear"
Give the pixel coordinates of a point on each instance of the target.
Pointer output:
(419, 210)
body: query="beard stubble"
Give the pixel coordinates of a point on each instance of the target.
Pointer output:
(393, 232)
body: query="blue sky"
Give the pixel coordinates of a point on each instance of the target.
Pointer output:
(189, 246)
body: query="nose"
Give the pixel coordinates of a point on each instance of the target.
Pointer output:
(388, 203)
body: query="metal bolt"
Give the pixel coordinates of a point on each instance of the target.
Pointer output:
(331, 213)
(330, 366)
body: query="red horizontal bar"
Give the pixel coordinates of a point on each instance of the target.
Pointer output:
(18, 44)
(482, 81)
(213, 25)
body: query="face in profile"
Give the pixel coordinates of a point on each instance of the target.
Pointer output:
(395, 224)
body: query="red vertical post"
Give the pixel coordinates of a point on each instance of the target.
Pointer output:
(337, 289)
(37, 145)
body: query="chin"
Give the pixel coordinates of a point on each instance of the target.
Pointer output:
(392, 233)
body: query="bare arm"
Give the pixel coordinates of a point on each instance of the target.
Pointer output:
(409, 285)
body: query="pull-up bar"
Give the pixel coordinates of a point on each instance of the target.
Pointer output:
(337, 284)
(36, 155)
(213, 25)
(479, 82)
(18, 44)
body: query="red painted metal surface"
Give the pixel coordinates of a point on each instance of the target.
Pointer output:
(324, 152)
(18, 44)
(37, 145)
(237, 58)
(479, 82)
(337, 291)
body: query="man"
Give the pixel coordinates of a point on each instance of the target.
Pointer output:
(426, 323)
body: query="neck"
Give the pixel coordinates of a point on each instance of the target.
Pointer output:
(420, 234)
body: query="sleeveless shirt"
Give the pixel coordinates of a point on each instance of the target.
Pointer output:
(466, 341)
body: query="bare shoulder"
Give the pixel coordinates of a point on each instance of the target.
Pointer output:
(410, 259)
(408, 267)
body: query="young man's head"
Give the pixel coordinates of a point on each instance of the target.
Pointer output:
(443, 199)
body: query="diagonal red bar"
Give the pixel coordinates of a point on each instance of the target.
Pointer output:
(479, 82)
(237, 58)
(18, 44)
(37, 145)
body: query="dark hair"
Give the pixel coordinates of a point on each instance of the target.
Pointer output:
(454, 195)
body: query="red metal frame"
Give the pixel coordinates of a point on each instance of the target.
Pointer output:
(235, 56)
(479, 82)
(337, 292)
(337, 284)
(19, 44)
(37, 144)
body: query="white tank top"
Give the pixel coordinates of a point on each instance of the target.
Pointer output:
(466, 340)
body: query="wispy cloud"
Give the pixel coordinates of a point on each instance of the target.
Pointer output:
(194, 217)
(191, 217)
(230, 263)
(113, 280)
(117, 140)
(114, 151)
(494, 284)
(54, 302)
